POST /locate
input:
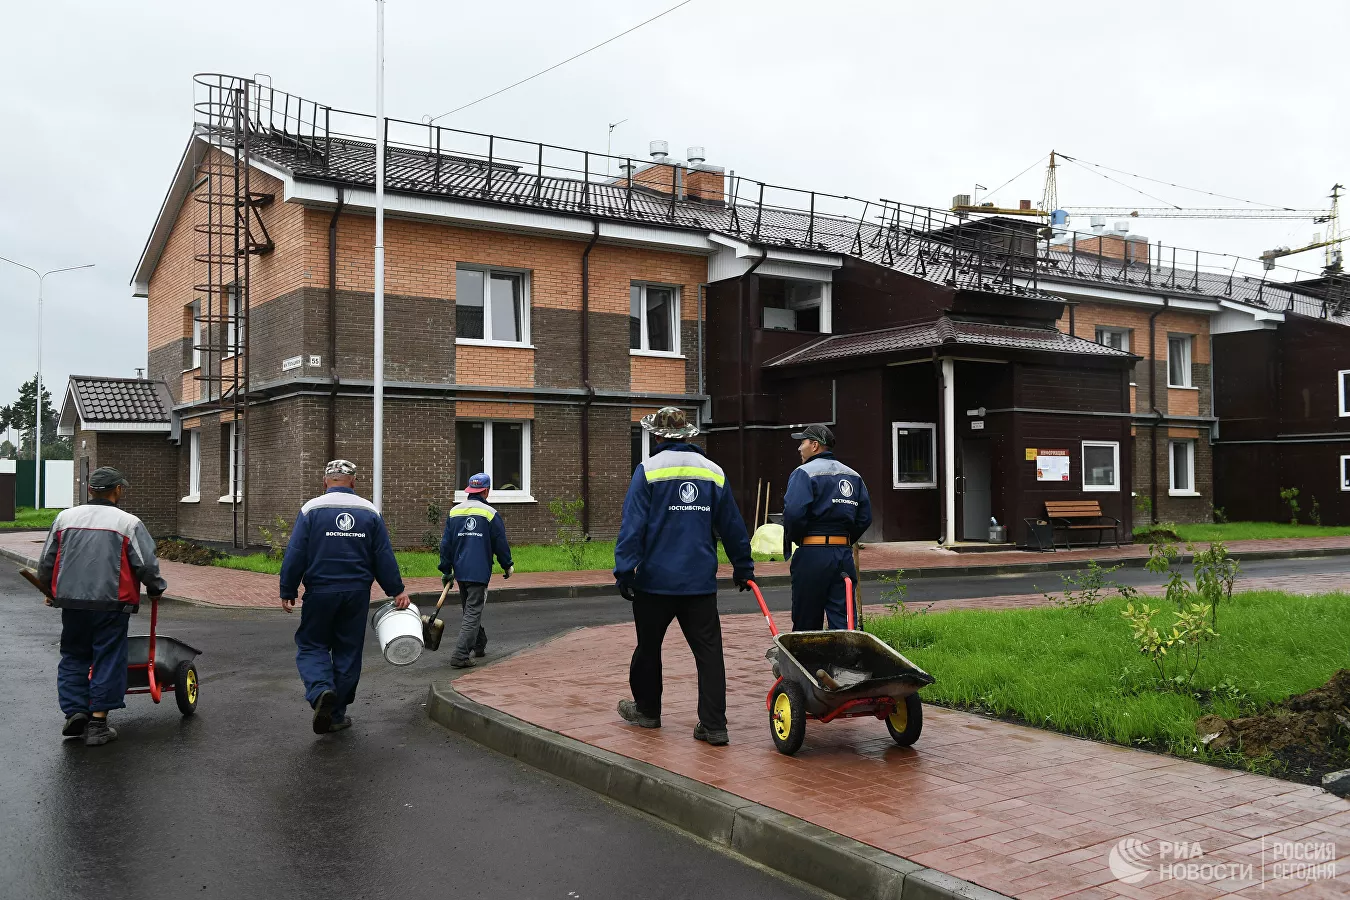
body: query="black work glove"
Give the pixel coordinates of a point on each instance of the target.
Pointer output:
(626, 591)
(743, 584)
(446, 579)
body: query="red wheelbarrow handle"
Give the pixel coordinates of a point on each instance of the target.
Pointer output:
(764, 607)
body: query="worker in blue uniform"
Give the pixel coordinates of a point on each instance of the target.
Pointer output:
(474, 533)
(825, 511)
(665, 563)
(339, 546)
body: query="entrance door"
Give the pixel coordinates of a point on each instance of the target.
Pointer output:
(976, 502)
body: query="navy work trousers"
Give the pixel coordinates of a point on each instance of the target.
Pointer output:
(818, 586)
(328, 645)
(697, 614)
(98, 640)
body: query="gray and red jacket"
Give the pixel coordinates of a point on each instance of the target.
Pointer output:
(97, 557)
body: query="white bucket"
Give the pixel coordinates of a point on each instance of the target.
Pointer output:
(399, 632)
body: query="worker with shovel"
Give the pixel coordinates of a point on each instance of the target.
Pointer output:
(474, 534)
(825, 511)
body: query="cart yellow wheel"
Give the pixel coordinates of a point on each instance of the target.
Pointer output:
(787, 717)
(906, 722)
(185, 687)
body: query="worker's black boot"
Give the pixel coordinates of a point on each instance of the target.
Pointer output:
(75, 725)
(340, 724)
(628, 709)
(714, 738)
(323, 712)
(99, 732)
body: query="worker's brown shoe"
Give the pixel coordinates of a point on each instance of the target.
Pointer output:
(75, 725)
(99, 732)
(461, 664)
(323, 712)
(714, 738)
(628, 709)
(340, 724)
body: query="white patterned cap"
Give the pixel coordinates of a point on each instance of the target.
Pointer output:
(340, 467)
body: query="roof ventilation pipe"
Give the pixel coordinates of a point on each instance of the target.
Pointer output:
(696, 156)
(659, 150)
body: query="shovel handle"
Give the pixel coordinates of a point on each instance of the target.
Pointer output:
(31, 577)
(445, 590)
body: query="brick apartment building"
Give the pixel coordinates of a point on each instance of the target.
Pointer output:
(539, 301)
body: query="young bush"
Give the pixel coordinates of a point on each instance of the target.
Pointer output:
(435, 518)
(570, 536)
(1084, 589)
(1290, 496)
(276, 538)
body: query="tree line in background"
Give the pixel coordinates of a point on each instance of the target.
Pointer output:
(20, 416)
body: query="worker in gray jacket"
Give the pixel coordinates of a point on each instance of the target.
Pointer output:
(93, 565)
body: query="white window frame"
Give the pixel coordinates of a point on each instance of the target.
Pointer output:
(1111, 329)
(232, 322)
(646, 442)
(488, 271)
(195, 308)
(229, 481)
(1115, 467)
(496, 496)
(895, 455)
(1172, 490)
(1345, 480)
(1188, 341)
(675, 352)
(194, 442)
(1341, 379)
(823, 303)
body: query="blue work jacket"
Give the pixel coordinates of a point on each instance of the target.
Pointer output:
(474, 533)
(678, 504)
(339, 543)
(824, 496)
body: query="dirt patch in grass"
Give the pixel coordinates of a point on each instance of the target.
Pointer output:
(1307, 734)
(186, 552)
(1155, 535)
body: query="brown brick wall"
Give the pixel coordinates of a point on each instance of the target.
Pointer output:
(1175, 509)
(149, 463)
(501, 366)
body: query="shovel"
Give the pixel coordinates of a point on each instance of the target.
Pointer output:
(432, 627)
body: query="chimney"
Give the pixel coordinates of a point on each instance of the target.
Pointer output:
(1024, 204)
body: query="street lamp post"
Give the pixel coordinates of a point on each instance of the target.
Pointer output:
(377, 419)
(37, 397)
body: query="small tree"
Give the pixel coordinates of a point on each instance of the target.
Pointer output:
(1084, 589)
(570, 536)
(1215, 574)
(1290, 496)
(1315, 514)
(434, 515)
(276, 538)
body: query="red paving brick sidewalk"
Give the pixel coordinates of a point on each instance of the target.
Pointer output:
(1025, 812)
(215, 586)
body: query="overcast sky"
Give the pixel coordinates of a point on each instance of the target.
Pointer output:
(903, 100)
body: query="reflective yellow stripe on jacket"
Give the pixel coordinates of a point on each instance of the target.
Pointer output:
(488, 514)
(671, 472)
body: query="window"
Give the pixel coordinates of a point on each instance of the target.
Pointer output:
(914, 454)
(501, 449)
(653, 319)
(1343, 386)
(1179, 360)
(1101, 465)
(1345, 473)
(234, 328)
(229, 445)
(794, 305)
(196, 310)
(490, 305)
(1183, 469)
(195, 466)
(642, 446)
(1119, 338)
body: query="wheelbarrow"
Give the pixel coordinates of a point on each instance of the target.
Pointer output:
(828, 675)
(157, 663)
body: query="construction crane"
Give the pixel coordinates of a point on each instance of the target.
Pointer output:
(1332, 243)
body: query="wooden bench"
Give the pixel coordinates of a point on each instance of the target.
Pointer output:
(1076, 515)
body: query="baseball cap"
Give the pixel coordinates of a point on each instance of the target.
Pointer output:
(818, 433)
(479, 483)
(105, 478)
(339, 467)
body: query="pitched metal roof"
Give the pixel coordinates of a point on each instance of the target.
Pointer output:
(943, 332)
(122, 401)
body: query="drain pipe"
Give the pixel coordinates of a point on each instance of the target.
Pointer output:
(745, 352)
(1153, 406)
(332, 327)
(586, 378)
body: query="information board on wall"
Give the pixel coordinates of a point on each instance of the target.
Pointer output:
(1052, 465)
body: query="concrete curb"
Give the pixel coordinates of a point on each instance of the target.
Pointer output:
(822, 858)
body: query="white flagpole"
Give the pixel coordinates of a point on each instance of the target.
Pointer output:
(377, 467)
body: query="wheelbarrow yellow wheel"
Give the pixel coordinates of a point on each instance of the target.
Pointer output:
(906, 723)
(185, 687)
(787, 717)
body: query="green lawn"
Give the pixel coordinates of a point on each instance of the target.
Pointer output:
(1079, 672)
(526, 558)
(27, 517)
(1249, 531)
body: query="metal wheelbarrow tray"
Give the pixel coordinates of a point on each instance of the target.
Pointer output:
(828, 675)
(157, 663)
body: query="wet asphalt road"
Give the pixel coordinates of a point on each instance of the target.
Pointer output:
(243, 800)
